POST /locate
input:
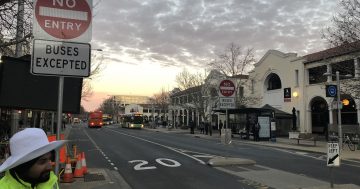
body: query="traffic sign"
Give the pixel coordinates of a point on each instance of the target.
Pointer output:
(64, 20)
(227, 88)
(227, 103)
(333, 155)
(60, 58)
(331, 90)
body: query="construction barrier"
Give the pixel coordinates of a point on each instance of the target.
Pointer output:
(62, 157)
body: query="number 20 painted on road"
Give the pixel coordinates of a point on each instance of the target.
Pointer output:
(141, 164)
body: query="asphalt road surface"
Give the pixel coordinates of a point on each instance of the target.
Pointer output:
(148, 159)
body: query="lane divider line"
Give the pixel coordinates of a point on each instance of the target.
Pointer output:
(164, 146)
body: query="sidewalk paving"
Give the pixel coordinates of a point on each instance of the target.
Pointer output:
(281, 142)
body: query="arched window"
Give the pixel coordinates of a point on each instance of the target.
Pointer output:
(274, 82)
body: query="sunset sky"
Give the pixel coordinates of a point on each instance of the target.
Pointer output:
(146, 43)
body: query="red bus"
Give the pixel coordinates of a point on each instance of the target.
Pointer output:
(95, 119)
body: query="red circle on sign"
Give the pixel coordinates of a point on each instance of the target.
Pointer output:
(63, 19)
(227, 88)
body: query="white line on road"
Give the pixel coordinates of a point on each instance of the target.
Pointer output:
(168, 147)
(204, 156)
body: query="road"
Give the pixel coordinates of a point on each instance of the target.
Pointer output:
(148, 159)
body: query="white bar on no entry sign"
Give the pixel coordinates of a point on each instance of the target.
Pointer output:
(61, 13)
(226, 88)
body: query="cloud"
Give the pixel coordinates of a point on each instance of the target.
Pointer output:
(189, 32)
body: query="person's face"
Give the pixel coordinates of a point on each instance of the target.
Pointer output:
(40, 171)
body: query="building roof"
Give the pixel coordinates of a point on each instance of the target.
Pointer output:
(333, 52)
(240, 76)
(188, 91)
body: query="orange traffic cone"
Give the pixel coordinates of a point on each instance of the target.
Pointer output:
(83, 163)
(68, 176)
(78, 173)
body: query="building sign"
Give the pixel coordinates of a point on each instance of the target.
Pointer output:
(331, 90)
(64, 20)
(287, 94)
(60, 58)
(227, 103)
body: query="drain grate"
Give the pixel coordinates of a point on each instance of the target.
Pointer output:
(93, 177)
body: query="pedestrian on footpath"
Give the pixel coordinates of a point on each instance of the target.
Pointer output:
(192, 127)
(29, 165)
(256, 131)
(220, 127)
(210, 128)
(201, 126)
(206, 127)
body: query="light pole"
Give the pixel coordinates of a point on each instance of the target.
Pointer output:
(338, 104)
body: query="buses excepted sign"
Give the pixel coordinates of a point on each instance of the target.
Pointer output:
(227, 102)
(60, 58)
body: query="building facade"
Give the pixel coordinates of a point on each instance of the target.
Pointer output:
(292, 83)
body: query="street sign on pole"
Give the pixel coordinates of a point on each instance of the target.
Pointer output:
(331, 90)
(227, 103)
(63, 20)
(227, 88)
(60, 58)
(227, 94)
(333, 155)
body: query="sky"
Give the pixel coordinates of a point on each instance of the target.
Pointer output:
(146, 43)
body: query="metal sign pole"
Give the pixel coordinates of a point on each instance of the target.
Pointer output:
(339, 111)
(59, 121)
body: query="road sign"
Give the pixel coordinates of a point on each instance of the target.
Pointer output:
(64, 20)
(227, 102)
(333, 155)
(331, 90)
(60, 58)
(227, 88)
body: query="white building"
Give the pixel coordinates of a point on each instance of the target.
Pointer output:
(287, 81)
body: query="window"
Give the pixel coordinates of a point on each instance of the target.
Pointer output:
(316, 75)
(241, 92)
(274, 82)
(296, 78)
(344, 68)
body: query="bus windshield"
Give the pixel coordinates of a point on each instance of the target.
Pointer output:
(135, 119)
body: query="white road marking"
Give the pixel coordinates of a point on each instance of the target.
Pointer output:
(168, 147)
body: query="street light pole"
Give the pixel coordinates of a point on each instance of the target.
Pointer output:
(338, 104)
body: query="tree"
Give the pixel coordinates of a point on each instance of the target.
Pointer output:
(97, 66)
(345, 26)
(345, 34)
(161, 100)
(234, 63)
(186, 80)
(8, 26)
(108, 106)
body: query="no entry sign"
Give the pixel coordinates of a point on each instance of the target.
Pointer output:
(64, 20)
(227, 88)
